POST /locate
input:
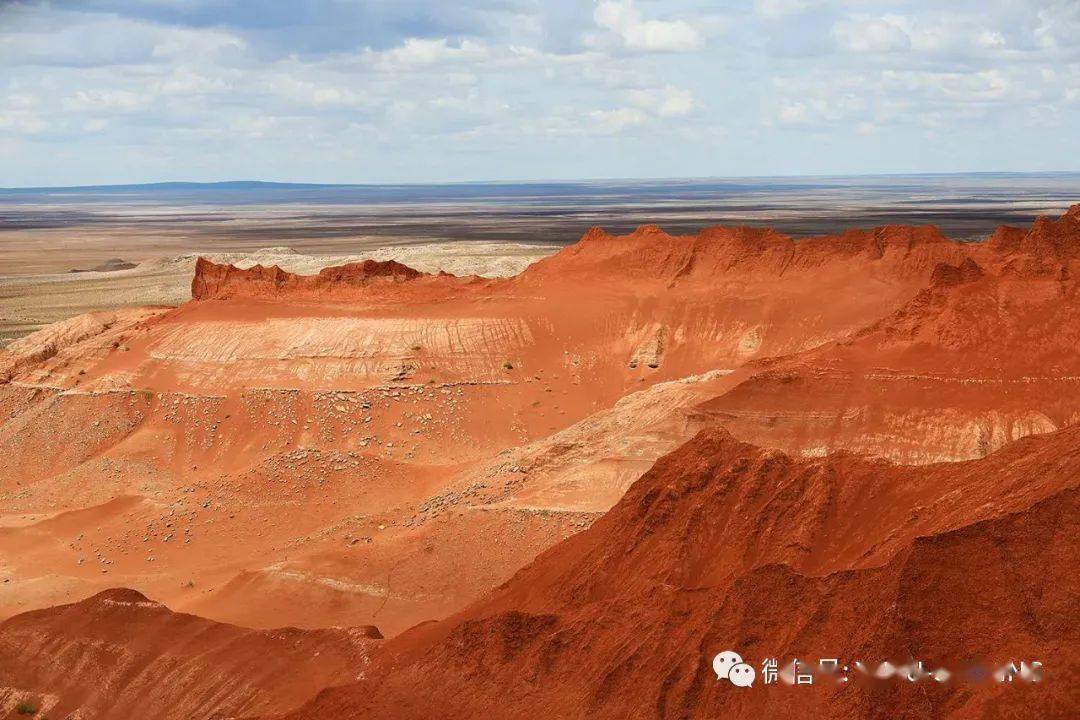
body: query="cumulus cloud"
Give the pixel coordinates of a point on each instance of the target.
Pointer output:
(619, 119)
(668, 101)
(623, 18)
(1059, 27)
(656, 105)
(949, 37)
(774, 9)
(23, 122)
(978, 87)
(187, 81)
(104, 100)
(871, 35)
(419, 53)
(795, 112)
(991, 39)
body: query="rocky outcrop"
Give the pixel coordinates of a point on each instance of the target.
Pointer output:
(946, 275)
(719, 253)
(1050, 248)
(220, 281)
(650, 254)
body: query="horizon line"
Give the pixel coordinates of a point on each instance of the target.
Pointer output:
(539, 181)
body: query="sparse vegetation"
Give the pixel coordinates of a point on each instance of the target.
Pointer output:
(25, 708)
(508, 365)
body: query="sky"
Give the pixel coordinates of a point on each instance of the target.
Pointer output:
(119, 91)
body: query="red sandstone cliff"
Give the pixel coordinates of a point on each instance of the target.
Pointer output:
(716, 253)
(967, 365)
(217, 281)
(725, 253)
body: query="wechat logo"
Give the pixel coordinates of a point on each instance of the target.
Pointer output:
(729, 665)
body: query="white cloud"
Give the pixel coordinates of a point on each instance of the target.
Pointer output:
(1059, 26)
(774, 9)
(186, 81)
(991, 40)
(419, 53)
(186, 45)
(668, 101)
(615, 121)
(871, 35)
(977, 87)
(793, 113)
(254, 126)
(23, 121)
(943, 36)
(636, 33)
(104, 100)
(648, 104)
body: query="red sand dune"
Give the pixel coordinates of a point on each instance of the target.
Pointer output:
(377, 446)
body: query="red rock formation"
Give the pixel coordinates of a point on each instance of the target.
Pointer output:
(967, 365)
(946, 275)
(714, 254)
(1050, 248)
(719, 253)
(220, 281)
(119, 655)
(725, 546)
(982, 356)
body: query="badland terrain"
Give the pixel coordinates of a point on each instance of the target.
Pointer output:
(374, 491)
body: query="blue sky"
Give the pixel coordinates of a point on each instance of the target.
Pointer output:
(110, 91)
